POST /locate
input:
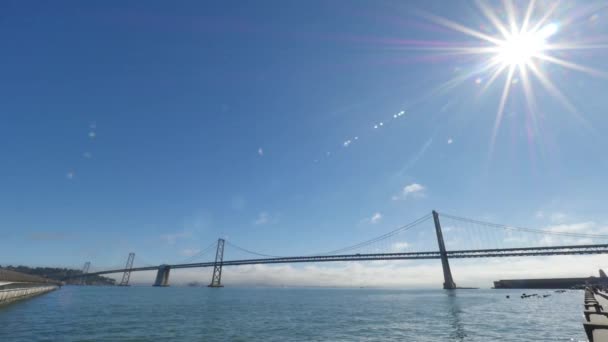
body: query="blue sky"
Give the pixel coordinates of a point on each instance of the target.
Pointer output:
(157, 127)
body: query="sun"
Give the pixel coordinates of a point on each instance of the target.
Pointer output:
(518, 43)
(520, 48)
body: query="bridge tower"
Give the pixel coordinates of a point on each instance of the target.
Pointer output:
(85, 270)
(162, 276)
(127, 275)
(447, 273)
(216, 280)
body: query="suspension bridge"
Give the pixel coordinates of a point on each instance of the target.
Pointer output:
(484, 240)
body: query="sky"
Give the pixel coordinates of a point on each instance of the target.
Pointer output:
(292, 128)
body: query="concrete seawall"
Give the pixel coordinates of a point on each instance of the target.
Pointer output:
(22, 291)
(596, 316)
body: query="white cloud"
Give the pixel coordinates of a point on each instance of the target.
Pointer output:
(171, 238)
(376, 218)
(265, 218)
(196, 223)
(450, 141)
(581, 228)
(261, 152)
(189, 251)
(588, 227)
(557, 217)
(399, 246)
(69, 175)
(346, 143)
(411, 190)
(558, 225)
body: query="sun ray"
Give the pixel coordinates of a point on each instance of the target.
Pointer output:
(528, 91)
(462, 29)
(545, 17)
(511, 15)
(454, 82)
(565, 47)
(497, 73)
(529, 10)
(532, 111)
(556, 93)
(501, 106)
(450, 51)
(572, 65)
(450, 84)
(491, 16)
(549, 86)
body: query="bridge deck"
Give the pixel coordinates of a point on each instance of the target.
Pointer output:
(458, 254)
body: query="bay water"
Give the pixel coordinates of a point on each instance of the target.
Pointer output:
(90, 313)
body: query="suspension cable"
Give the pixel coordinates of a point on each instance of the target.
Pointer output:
(358, 245)
(252, 252)
(142, 262)
(529, 230)
(382, 237)
(199, 254)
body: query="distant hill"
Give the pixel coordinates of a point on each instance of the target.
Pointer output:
(60, 274)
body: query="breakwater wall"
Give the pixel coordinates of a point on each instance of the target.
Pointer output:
(14, 293)
(596, 316)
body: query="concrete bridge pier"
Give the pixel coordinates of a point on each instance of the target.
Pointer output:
(162, 276)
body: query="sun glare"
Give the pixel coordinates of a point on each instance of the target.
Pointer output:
(519, 48)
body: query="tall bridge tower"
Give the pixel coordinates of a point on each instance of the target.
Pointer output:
(216, 280)
(85, 270)
(448, 283)
(127, 275)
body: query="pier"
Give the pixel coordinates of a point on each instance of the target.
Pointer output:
(596, 316)
(16, 286)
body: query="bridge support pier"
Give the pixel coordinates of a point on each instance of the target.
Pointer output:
(448, 283)
(216, 280)
(162, 276)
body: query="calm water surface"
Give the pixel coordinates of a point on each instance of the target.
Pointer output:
(275, 314)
